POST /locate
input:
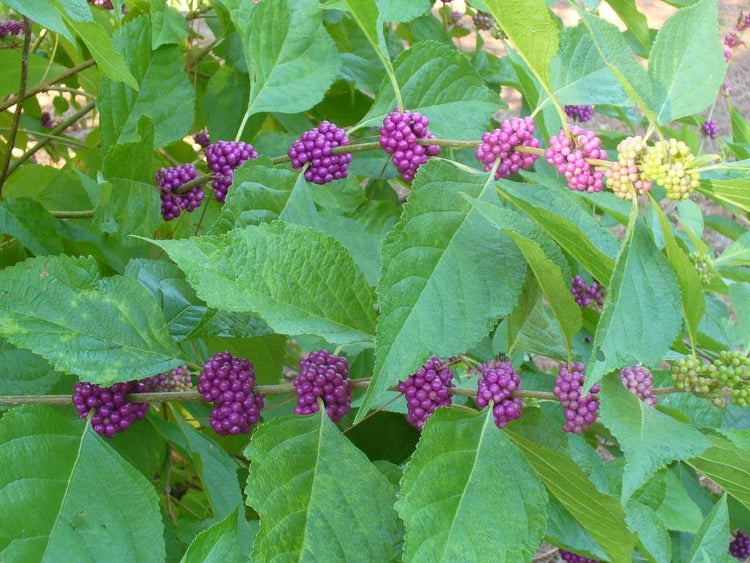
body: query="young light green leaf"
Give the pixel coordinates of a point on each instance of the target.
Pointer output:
(316, 493)
(711, 542)
(102, 329)
(64, 491)
(298, 280)
(168, 26)
(217, 544)
(728, 466)
(650, 439)
(686, 62)
(463, 474)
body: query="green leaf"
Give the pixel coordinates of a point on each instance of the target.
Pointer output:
(32, 225)
(24, 373)
(317, 494)
(10, 68)
(686, 62)
(711, 543)
(161, 90)
(267, 353)
(740, 126)
(217, 544)
(102, 329)
(44, 13)
(439, 82)
(739, 294)
(168, 26)
(464, 473)
(728, 466)
(678, 511)
(64, 491)
(599, 514)
(650, 439)
(652, 534)
(298, 280)
(636, 22)
(228, 89)
(566, 533)
(640, 319)
(733, 191)
(442, 256)
(402, 10)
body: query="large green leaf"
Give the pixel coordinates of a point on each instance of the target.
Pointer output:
(652, 535)
(686, 62)
(164, 93)
(439, 82)
(317, 495)
(298, 280)
(728, 466)
(24, 373)
(33, 226)
(216, 544)
(678, 511)
(102, 329)
(711, 542)
(64, 492)
(37, 68)
(638, 31)
(168, 26)
(464, 473)
(447, 275)
(650, 439)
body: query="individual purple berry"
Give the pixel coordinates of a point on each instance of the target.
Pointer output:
(427, 389)
(222, 158)
(567, 153)
(483, 20)
(586, 295)
(497, 383)
(455, 16)
(580, 113)
(201, 138)
(112, 413)
(324, 375)
(228, 383)
(315, 147)
(176, 380)
(580, 412)
(501, 144)
(710, 128)
(727, 55)
(739, 547)
(400, 137)
(640, 381)
(169, 180)
(46, 121)
(575, 558)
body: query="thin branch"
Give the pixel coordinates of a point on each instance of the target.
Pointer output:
(62, 140)
(85, 214)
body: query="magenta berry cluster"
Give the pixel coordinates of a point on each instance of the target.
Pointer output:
(501, 144)
(739, 547)
(640, 381)
(177, 379)
(586, 295)
(427, 389)
(710, 128)
(400, 137)
(567, 153)
(201, 138)
(580, 412)
(315, 147)
(582, 114)
(169, 180)
(222, 158)
(497, 384)
(575, 558)
(112, 412)
(46, 121)
(228, 383)
(11, 27)
(324, 375)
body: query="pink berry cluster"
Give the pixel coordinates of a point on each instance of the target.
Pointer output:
(567, 153)
(177, 379)
(575, 558)
(222, 158)
(201, 138)
(710, 128)
(739, 547)
(314, 147)
(169, 180)
(11, 27)
(733, 39)
(324, 375)
(580, 412)
(501, 144)
(228, 383)
(640, 381)
(400, 137)
(112, 412)
(496, 384)
(586, 295)
(427, 389)
(582, 114)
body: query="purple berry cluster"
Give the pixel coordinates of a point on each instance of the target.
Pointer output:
(483, 20)
(112, 412)
(228, 382)
(314, 147)
(586, 295)
(575, 558)
(582, 114)
(222, 158)
(324, 375)
(201, 138)
(400, 137)
(46, 121)
(176, 380)
(567, 153)
(739, 547)
(500, 144)
(427, 389)
(640, 381)
(710, 128)
(580, 412)
(11, 27)
(497, 383)
(168, 180)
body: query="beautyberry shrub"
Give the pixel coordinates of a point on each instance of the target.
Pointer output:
(483, 20)
(112, 412)
(580, 411)
(710, 128)
(314, 147)
(427, 389)
(169, 180)
(222, 158)
(586, 295)
(201, 138)
(582, 114)
(668, 163)
(575, 558)
(567, 153)
(739, 547)
(624, 177)
(501, 144)
(324, 375)
(399, 137)
(640, 381)
(496, 384)
(177, 379)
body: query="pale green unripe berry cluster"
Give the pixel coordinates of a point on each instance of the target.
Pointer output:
(668, 163)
